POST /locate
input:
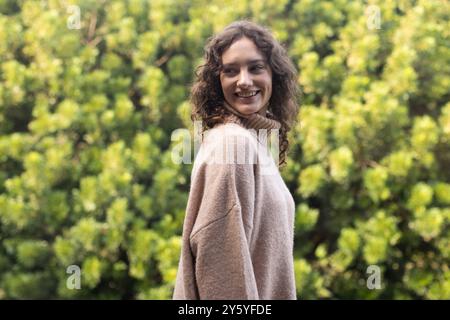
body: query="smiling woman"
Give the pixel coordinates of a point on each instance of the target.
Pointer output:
(246, 79)
(238, 229)
(245, 59)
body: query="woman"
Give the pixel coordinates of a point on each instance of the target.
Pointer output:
(238, 229)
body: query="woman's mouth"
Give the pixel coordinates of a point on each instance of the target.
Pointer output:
(247, 97)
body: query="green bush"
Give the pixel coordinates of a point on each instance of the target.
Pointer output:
(86, 118)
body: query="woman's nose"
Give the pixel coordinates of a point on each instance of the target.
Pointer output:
(244, 79)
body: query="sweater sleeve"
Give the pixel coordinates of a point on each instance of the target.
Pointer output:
(221, 235)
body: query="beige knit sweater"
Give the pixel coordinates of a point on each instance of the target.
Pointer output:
(237, 238)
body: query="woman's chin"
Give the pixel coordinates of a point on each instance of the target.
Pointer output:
(247, 108)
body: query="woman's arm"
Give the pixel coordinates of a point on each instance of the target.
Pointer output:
(216, 258)
(223, 264)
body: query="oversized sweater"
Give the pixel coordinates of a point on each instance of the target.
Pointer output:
(237, 240)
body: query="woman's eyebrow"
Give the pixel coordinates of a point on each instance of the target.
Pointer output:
(248, 62)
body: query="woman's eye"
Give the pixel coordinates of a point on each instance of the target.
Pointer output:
(253, 68)
(258, 67)
(228, 71)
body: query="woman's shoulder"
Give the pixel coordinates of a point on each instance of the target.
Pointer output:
(230, 137)
(225, 131)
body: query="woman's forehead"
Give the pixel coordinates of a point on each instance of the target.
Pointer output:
(242, 51)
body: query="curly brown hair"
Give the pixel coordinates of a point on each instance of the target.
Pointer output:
(206, 93)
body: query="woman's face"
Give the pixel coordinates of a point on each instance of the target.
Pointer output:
(246, 72)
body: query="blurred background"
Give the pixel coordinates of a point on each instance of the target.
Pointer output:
(92, 204)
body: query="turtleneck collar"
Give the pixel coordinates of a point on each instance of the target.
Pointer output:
(251, 121)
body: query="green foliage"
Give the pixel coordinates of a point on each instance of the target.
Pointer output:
(374, 135)
(86, 118)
